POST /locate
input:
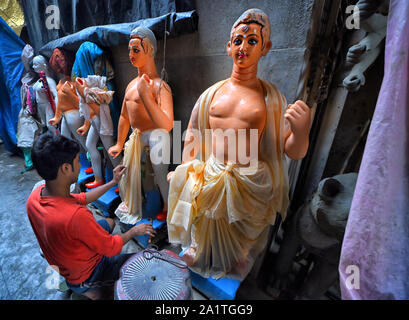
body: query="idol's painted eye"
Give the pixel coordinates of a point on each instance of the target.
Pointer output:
(135, 50)
(253, 41)
(237, 41)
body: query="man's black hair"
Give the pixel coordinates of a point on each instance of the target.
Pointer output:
(50, 152)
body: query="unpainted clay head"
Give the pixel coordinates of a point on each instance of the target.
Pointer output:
(40, 64)
(322, 220)
(331, 203)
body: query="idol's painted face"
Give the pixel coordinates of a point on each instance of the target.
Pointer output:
(246, 45)
(138, 52)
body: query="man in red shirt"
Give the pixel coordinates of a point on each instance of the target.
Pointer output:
(81, 249)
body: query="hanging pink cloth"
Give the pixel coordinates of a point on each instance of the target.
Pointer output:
(375, 253)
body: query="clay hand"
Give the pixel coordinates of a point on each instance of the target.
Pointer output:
(170, 175)
(354, 81)
(299, 117)
(118, 173)
(355, 52)
(145, 86)
(81, 131)
(54, 121)
(84, 128)
(144, 228)
(115, 150)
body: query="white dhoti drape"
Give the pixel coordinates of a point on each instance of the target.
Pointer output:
(130, 187)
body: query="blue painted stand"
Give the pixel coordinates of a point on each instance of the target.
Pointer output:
(150, 209)
(222, 289)
(106, 201)
(109, 201)
(84, 165)
(143, 241)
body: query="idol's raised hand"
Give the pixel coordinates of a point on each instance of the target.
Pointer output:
(299, 117)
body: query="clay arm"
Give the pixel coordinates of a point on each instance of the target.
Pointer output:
(161, 115)
(192, 138)
(84, 128)
(80, 85)
(53, 88)
(123, 129)
(58, 111)
(93, 109)
(297, 141)
(57, 117)
(363, 54)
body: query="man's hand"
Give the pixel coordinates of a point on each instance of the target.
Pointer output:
(94, 194)
(118, 173)
(139, 230)
(299, 117)
(115, 150)
(144, 228)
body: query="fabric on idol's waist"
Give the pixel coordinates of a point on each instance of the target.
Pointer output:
(130, 190)
(213, 201)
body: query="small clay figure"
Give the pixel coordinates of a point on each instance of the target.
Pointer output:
(318, 226)
(46, 97)
(95, 102)
(28, 125)
(67, 108)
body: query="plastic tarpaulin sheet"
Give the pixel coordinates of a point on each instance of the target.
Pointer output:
(77, 15)
(375, 252)
(11, 70)
(117, 34)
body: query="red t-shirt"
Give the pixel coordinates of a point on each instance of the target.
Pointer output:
(69, 235)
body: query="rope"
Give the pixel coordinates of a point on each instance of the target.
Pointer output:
(163, 73)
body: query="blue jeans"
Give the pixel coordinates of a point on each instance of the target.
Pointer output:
(105, 273)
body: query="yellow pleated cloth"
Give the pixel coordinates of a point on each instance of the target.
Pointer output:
(222, 212)
(130, 191)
